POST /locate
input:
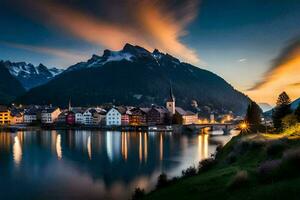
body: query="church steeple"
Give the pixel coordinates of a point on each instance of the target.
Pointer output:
(70, 106)
(171, 101)
(171, 98)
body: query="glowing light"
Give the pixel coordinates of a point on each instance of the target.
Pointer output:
(58, 147)
(17, 151)
(145, 147)
(244, 126)
(161, 147)
(89, 147)
(140, 147)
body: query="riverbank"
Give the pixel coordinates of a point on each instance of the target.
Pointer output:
(253, 166)
(158, 128)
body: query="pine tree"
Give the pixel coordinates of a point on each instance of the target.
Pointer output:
(282, 109)
(283, 99)
(253, 116)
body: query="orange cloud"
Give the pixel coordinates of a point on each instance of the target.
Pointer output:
(283, 76)
(154, 25)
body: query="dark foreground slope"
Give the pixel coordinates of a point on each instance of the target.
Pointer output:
(135, 76)
(250, 167)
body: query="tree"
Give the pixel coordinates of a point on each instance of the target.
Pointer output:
(283, 99)
(282, 109)
(289, 121)
(297, 113)
(253, 115)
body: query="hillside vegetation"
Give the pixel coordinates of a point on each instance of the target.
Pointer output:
(252, 166)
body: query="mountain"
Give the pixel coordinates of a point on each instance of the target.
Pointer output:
(295, 104)
(135, 76)
(10, 87)
(29, 75)
(265, 106)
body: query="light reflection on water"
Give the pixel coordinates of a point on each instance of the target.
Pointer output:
(94, 165)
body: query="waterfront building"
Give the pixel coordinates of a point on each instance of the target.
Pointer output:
(49, 115)
(94, 116)
(5, 117)
(138, 116)
(17, 116)
(79, 119)
(184, 117)
(70, 118)
(125, 112)
(31, 115)
(113, 117)
(157, 115)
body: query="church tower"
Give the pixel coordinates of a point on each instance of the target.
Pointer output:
(171, 102)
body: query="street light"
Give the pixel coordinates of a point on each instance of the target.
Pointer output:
(244, 126)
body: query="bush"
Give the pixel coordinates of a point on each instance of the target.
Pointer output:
(138, 194)
(191, 171)
(267, 171)
(206, 164)
(275, 148)
(239, 180)
(290, 163)
(162, 181)
(293, 130)
(231, 158)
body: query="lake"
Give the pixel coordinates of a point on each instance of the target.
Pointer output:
(94, 164)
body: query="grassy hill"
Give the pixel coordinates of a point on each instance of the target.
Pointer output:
(248, 167)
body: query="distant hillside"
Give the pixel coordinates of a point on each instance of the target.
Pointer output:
(10, 87)
(29, 75)
(135, 76)
(295, 104)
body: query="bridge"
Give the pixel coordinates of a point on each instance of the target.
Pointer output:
(226, 127)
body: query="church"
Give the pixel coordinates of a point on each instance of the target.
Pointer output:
(178, 114)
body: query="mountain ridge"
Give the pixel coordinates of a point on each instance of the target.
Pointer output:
(135, 76)
(31, 76)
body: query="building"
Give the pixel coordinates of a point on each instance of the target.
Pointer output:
(70, 118)
(79, 119)
(157, 115)
(113, 117)
(5, 117)
(17, 116)
(184, 117)
(138, 116)
(94, 116)
(124, 115)
(50, 115)
(31, 115)
(171, 103)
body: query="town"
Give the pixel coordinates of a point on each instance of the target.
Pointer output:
(104, 116)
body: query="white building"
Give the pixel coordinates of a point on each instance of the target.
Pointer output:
(113, 117)
(30, 115)
(87, 117)
(49, 115)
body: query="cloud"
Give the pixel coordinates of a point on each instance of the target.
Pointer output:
(242, 60)
(67, 56)
(148, 23)
(282, 75)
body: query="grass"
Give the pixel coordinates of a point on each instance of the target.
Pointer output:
(251, 151)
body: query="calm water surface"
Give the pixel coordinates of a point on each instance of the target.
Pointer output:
(94, 165)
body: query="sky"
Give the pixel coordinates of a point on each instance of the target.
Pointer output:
(252, 44)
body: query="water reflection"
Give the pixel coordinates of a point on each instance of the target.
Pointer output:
(203, 146)
(100, 165)
(17, 150)
(58, 147)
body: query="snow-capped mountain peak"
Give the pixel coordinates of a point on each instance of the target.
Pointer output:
(29, 75)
